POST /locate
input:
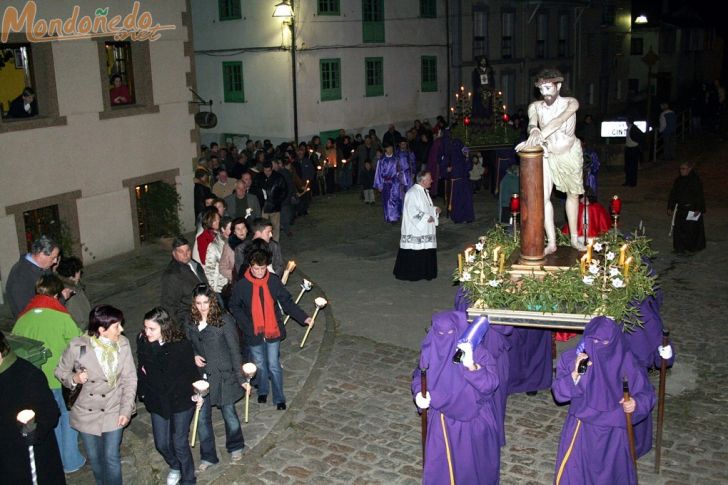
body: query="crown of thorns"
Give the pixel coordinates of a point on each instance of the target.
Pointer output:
(545, 80)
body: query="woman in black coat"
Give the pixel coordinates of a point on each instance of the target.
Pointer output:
(25, 387)
(166, 370)
(216, 344)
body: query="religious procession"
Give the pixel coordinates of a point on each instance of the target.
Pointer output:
(472, 298)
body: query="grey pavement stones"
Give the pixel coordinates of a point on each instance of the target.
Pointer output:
(351, 418)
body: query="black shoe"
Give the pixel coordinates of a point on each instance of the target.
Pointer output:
(531, 393)
(263, 398)
(281, 406)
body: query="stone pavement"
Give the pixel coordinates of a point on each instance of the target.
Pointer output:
(351, 417)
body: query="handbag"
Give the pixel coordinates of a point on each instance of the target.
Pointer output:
(70, 395)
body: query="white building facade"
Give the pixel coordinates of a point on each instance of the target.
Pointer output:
(360, 64)
(75, 169)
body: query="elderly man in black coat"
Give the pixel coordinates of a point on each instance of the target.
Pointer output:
(180, 277)
(43, 255)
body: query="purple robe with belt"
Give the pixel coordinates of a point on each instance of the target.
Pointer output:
(461, 190)
(594, 447)
(390, 180)
(462, 429)
(433, 165)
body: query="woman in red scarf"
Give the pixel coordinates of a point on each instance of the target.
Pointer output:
(253, 303)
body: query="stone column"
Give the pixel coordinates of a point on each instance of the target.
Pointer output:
(532, 216)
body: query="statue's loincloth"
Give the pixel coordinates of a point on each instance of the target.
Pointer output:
(566, 169)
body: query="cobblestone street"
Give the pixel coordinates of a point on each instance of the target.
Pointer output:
(351, 418)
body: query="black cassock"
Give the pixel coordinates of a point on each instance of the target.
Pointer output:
(687, 193)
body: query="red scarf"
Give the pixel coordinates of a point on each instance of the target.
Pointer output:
(44, 301)
(263, 312)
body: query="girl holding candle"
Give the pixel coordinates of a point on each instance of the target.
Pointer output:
(216, 345)
(166, 370)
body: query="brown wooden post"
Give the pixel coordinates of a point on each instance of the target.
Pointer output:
(532, 216)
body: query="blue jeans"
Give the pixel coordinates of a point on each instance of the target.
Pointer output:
(104, 453)
(171, 440)
(267, 359)
(234, 440)
(67, 437)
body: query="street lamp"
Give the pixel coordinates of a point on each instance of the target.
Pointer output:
(284, 10)
(641, 19)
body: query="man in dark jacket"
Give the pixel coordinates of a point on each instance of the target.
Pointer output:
(180, 277)
(271, 192)
(20, 287)
(24, 106)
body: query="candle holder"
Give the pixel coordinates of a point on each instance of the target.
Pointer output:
(615, 208)
(249, 371)
(305, 286)
(201, 388)
(26, 421)
(320, 303)
(515, 210)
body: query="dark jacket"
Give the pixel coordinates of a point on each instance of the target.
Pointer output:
(220, 347)
(240, 304)
(250, 201)
(17, 108)
(21, 284)
(367, 179)
(178, 281)
(165, 376)
(202, 192)
(25, 387)
(275, 191)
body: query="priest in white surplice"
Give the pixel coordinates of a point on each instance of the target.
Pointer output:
(417, 255)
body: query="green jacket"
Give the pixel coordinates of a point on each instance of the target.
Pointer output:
(47, 320)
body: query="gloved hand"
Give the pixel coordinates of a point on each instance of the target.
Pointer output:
(423, 402)
(665, 352)
(467, 359)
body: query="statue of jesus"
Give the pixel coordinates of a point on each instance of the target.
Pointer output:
(551, 124)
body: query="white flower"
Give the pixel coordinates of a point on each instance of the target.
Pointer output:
(479, 246)
(589, 280)
(617, 283)
(470, 258)
(248, 212)
(494, 283)
(598, 247)
(610, 256)
(594, 268)
(614, 272)
(465, 276)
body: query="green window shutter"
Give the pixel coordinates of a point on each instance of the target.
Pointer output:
(330, 79)
(232, 80)
(373, 21)
(229, 9)
(325, 135)
(374, 76)
(328, 7)
(428, 9)
(429, 74)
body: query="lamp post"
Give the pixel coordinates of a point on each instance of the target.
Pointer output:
(284, 10)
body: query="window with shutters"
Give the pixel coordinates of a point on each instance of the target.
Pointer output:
(330, 79)
(480, 31)
(229, 9)
(373, 20)
(429, 74)
(329, 7)
(232, 81)
(428, 9)
(374, 76)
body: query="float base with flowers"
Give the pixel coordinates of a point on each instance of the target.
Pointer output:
(567, 291)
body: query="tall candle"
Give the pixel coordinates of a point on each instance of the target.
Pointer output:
(502, 263)
(622, 252)
(495, 254)
(627, 264)
(460, 264)
(589, 250)
(582, 264)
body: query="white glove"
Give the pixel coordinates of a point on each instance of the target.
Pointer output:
(422, 401)
(467, 358)
(665, 352)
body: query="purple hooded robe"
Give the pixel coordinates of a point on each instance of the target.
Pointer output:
(462, 429)
(594, 447)
(461, 190)
(391, 180)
